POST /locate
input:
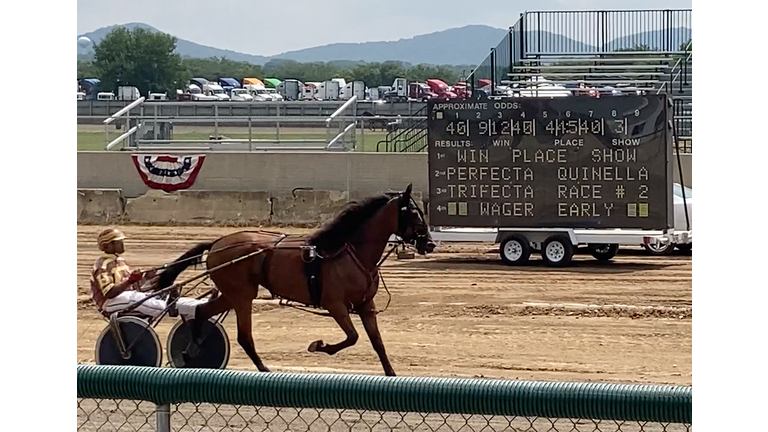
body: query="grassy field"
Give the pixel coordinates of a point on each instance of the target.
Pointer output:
(92, 137)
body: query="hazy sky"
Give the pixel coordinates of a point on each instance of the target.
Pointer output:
(268, 28)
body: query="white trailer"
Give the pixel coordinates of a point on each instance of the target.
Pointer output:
(354, 88)
(328, 90)
(557, 245)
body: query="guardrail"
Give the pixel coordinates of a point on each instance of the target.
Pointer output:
(124, 111)
(343, 129)
(141, 398)
(346, 132)
(102, 109)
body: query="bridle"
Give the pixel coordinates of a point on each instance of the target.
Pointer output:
(403, 220)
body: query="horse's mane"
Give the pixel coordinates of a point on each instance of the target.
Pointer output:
(333, 235)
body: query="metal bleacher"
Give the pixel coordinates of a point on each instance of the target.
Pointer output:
(605, 52)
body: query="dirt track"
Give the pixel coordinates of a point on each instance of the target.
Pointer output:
(460, 312)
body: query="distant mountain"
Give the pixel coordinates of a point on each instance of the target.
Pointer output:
(464, 45)
(457, 46)
(656, 40)
(184, 47)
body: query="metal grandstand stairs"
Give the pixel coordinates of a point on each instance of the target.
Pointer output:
(680, 88)
(411, 136)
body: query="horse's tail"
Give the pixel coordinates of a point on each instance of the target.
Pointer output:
(191, 257)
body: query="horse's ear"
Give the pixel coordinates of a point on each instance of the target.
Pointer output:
(408, 190)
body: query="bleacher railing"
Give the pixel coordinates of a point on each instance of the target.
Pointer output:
(540, 34)
(164, 399)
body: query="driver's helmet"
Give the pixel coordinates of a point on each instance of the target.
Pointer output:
(109, 235)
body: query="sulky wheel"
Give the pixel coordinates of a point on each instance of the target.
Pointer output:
(140, 339)
(603, 252)
(557, 250)
(665, 249)
(515, 250)
(213, 352)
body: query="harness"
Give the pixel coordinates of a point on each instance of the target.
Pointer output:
(313, 267)
(313, 262)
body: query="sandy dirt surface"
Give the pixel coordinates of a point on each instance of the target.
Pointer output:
(460, 312)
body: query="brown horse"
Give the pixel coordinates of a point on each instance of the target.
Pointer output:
(335, 268)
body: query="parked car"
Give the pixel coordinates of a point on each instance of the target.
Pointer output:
(680, 221)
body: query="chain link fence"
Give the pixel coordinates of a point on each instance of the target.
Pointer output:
(130, 398)
(107, 415)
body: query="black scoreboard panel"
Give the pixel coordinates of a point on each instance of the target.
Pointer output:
(576, 162)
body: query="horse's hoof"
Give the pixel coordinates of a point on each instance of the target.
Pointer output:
(314, 346)
(180, 360)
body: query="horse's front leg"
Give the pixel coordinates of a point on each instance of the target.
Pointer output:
(341, 315)
(367, 313)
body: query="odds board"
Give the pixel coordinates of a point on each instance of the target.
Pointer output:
(575, 162)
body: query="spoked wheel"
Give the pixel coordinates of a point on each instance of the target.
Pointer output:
(665, 249)
(212, 353)
(140, 339)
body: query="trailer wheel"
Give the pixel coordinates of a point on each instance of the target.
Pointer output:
(515, 250)
(685, 247)
(557, 250)
(603, 252)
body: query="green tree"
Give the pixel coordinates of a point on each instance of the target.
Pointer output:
(86, 69)
(379, 74)
(215, 68)
(138, 58)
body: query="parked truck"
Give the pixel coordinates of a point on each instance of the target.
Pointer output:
(342, 86)
(240, 95)
(229, 84)
(310, 90)
(354, 88)
(215, 90)
(403, 91)
(256, 89)
(128, 93)
(194, 93)
(328, 90)
(89, 86)
(399, 91)
(441, 89)
(291, 89)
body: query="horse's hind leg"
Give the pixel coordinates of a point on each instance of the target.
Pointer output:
(206, 310)
(202, 312)
(341, 315)
(244, 336)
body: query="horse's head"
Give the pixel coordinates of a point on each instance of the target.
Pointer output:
(411, 225)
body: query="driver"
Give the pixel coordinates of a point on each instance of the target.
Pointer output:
(114, 286)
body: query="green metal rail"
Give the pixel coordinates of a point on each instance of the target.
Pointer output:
(162, 386)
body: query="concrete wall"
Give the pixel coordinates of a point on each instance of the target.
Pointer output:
(223, 208)
(252, 188)
(361, 173)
